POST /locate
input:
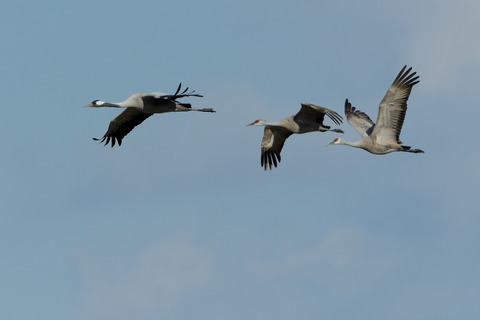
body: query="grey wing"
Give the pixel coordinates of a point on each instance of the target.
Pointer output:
(359, 120)
(122, 125)
(272, 144)
(309, 112)
(393, 107)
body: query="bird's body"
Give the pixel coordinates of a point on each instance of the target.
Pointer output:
(384, 136)
(308, 119)
(139, 107)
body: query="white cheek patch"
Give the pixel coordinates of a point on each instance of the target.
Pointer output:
(100, 103)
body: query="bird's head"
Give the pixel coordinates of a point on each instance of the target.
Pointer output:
(95, 104)
(336, 141)
(258, 123)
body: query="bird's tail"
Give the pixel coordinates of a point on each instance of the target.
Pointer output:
(188, 107)
(409, 149)
(328, 128)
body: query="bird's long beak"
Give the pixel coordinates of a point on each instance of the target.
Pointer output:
(250, 124)
(331, 143)
(87, 105)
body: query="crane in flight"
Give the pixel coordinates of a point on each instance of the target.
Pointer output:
(139, 107)
(384, 136)
(308, 119)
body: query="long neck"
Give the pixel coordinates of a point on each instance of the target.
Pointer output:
(274, 123)
(112, 105)
(123, 104)
(356, 144)
(134, 100)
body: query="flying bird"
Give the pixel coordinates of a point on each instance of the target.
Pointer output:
(139, 107)
(383, 137)
(308, 119)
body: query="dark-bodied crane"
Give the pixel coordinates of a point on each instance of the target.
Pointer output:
(139, 107)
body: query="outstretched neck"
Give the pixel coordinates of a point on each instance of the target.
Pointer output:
(356, 144)
(118, 105)
(109, 105)
(273, 123)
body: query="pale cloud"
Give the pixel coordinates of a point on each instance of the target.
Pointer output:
(336, 261)
(154, 284)
(443, 44)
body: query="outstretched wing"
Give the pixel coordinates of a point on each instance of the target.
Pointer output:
(359, 120)
(272, 144)
(122, 125)
(310, 112)
(178, 94)
(393, 107)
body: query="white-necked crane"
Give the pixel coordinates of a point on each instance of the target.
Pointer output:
(383, 137)
(308, 119)
(139, 107)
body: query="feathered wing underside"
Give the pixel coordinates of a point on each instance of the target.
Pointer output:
(392, 110)
(122, 125)
(359, 120)
(272, 144)
(310, 112)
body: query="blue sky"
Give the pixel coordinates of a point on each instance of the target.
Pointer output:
(181, 222)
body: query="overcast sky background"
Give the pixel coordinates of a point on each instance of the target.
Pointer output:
(181, 222)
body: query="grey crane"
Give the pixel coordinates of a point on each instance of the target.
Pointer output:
(139, 107)
(383, 137)
(308, 119)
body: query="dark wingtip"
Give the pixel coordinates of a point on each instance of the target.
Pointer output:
(348, 106)
(178, 89)
(270, 160)
(99, 140)
(109, 140)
